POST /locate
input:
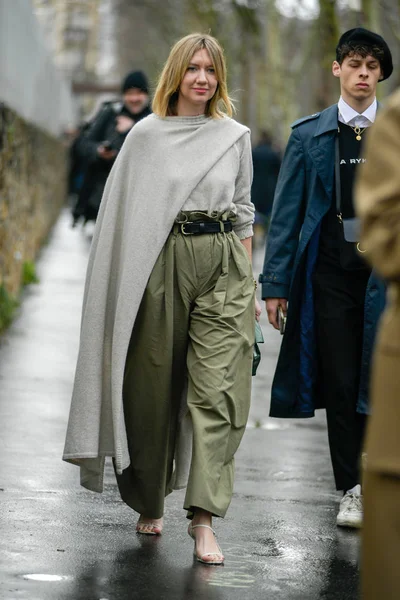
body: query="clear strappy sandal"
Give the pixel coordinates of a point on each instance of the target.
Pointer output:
(219, 557)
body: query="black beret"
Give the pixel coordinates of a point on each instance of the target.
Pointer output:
(364, 37)
(136, 79)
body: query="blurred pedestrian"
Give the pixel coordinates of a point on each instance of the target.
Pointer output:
(378, 200)
(266, 165)
(164, 370)
(100, 145)
(315, 271)
(76, 165)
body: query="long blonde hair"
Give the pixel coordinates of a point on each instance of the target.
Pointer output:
(167, 91)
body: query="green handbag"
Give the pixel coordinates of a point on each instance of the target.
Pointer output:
(259, 339)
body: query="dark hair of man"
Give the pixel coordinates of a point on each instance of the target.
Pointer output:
(360, 50)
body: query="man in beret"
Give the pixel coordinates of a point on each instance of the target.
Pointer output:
(314, 270)
(99, 147)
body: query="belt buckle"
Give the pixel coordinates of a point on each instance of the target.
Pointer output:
(183, 229)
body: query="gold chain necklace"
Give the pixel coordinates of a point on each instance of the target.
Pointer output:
(358, 131)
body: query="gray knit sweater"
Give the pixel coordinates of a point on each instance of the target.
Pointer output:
(226, 187)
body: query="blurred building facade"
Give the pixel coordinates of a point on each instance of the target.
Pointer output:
(80, 35)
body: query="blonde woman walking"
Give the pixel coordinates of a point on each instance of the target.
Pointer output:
(164, 369)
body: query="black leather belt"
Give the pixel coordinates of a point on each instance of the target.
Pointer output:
(200, 227)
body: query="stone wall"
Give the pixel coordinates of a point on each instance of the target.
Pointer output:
(32, 191)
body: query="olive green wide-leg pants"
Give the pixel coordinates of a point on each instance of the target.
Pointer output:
(193, 335)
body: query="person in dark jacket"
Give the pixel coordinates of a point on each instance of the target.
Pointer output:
(102, 142)
(266, 165)
(76, 166)
(314, 269)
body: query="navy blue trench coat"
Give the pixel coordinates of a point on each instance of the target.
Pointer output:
(303, 195)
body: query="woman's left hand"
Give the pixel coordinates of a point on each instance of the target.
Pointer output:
(258, 310)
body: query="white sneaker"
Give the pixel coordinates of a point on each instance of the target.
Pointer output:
(351, 510)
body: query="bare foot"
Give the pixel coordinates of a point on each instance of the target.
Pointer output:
(149, 526)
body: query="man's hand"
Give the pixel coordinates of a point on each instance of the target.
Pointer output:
(271, 305)
(124, 124)
(106, 154)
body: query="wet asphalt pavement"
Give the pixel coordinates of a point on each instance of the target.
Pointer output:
(59, 541)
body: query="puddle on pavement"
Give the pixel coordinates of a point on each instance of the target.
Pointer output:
(268, 425)
(46, 577)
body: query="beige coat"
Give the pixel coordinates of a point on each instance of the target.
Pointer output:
(378, 203)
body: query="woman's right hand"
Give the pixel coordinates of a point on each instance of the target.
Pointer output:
(271, 305)
(258, 310)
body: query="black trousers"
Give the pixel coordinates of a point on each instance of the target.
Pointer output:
(339, 310)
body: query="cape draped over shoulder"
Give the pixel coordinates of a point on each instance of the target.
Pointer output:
(160, 164)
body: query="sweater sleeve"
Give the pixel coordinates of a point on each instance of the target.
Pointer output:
(243, 226)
